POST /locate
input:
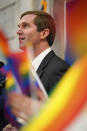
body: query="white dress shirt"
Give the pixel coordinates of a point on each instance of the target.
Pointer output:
(37, 61)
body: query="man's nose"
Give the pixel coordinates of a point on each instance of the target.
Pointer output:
(19, 31)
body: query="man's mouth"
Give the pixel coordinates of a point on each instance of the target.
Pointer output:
(21, 38)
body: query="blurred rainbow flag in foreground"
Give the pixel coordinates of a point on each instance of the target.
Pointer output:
(20, 76)
(76, 29)
(66, 102)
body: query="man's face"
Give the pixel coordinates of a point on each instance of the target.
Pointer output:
(27, 31)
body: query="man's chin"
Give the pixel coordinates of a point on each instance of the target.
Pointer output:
(22, 46)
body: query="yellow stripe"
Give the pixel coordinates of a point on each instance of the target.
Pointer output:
(57, 101)
(24, 68)
(9, 82)
(44, 4)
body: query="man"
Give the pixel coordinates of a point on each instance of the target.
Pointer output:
(38, 28)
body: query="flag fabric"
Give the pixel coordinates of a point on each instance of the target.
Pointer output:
(76, 30)
(17, 62)
(20, 76)
(44, 5)
(80, 122)
(4, 44)
(65, 103)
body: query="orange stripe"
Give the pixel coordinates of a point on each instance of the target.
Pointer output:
(4, 44)
(74, 105)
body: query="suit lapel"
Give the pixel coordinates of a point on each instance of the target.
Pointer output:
(44, 63)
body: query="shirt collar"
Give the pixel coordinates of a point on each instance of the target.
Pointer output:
(37, 61)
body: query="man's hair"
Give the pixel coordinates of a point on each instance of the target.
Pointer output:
(43, 20)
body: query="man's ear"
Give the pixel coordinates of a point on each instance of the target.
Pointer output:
(44, 33)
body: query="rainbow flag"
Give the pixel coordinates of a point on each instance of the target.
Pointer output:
(44, 4)
(17, 72)
(76, 29)
(65, 103)
(18, 63)
(11, 86)
(21, 77)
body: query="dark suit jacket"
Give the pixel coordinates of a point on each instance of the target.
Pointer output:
(51, 70)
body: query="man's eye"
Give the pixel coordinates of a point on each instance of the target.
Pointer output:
(25, 25)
